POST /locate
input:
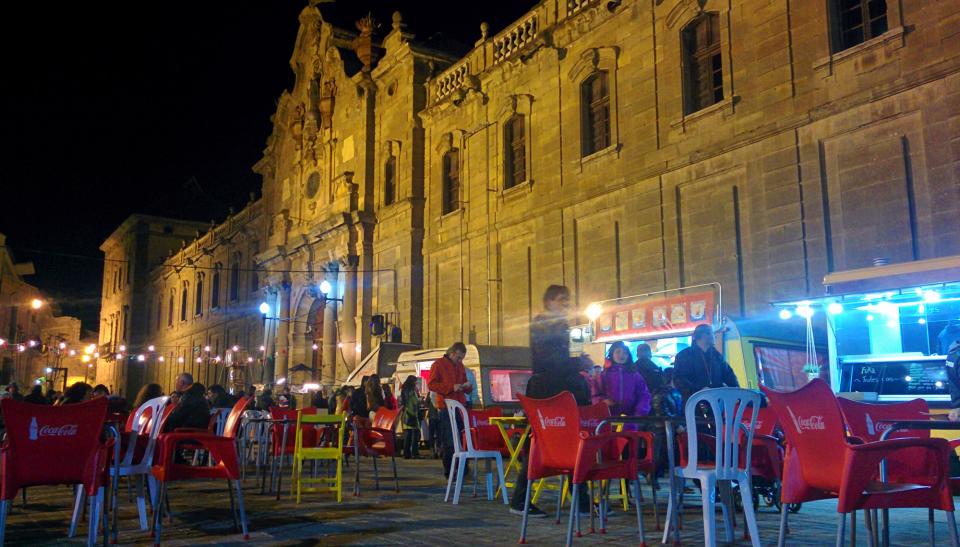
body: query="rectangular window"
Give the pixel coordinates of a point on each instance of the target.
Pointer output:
(451, 181)
(595, 105)
(703, 65)
(235, 279)
(170, 311)
(389, 180)
(215, 289)
(515, 154)
(856, 21)
(198, 300)
(126, 322)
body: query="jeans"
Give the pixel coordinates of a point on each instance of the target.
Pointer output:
(446, 439)
(411, 442)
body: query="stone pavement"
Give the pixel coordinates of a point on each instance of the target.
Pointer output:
(417, 515)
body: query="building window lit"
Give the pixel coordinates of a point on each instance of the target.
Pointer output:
(390, 180)
(595, 105)
(451, 181)
(515, 153)
(853, 22)
(702, 63)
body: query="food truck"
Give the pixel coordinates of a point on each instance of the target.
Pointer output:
(888, 328)
(381, 361)
(498, 373)
(759, 349)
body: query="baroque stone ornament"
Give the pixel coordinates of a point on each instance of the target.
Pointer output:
(328, 92)
(363, 44)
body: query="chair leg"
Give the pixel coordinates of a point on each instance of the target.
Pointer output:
(396, 479)
(158, 512)
(243, 512)
(476, 475)
(951, 528)
(653, 495)
(841, 523)
(453, 463)
(523, 522)
(668, 522)
(636, 502)
(503, 479)
(376, 474)
(749, 511)
(77, 509)
(590, 494)
(574, 510)
(781, 536)
(141, 502)
(708, 486)
(868, 522)
(93, 521)
(233, 506)
(280, 475)
(4, 507)
(461, 471)
(930, 526)
(727, 509)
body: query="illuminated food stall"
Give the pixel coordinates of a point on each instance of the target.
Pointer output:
(888, 328)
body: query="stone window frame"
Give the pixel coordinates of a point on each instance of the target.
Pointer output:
(449, 142)
(836, 30)
(891, 40)
(233, 294)
(726, 106)
(215, 286)
(184, 300)
(198, 294)
(254, 273)
(693, 57)
(516, 105)
(391, 150)
(590, 61)
(171, 310)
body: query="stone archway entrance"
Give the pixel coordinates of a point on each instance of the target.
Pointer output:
(307, 333)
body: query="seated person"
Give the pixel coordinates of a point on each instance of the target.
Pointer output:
(191, 409)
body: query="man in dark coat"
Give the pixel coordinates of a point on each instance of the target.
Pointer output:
(651, 373)
(701, 365)
(191, 408)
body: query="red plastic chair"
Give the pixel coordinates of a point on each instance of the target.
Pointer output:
(485, 435)
(279, 450)
(378, 440)
(48, 445)
(556, 430)
(222, 449)
(822, 463)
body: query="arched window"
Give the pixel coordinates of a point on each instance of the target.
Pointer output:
(170, 309)
(702, 64)
(254, 275)
(184, 301)
(515, 152)
(215, 287)
(390, 180)
(853, 22)
(235, 278)
(198, 297)
(451, 181)
(595, 112)
(158, 324)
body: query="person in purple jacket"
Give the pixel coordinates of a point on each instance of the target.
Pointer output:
(624, 390)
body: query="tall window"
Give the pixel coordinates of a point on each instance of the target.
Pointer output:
(390, 180)
(856, 21)
(183, 302)
(198, 297)
(702, 65)
(595, 105)
(170, 310)
(159, 311)
(125, 318)
(215, 287)
(451, 181)
(235, 278)
(515, 154)
(254, 274)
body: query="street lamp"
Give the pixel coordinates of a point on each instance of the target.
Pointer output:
(36, 303)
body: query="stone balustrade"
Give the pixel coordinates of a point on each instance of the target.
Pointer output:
(514, 38)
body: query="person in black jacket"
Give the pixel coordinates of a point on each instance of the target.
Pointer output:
(701, 365)
(191, 408)
(651, 373)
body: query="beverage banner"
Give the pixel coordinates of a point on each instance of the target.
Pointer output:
(669, 313)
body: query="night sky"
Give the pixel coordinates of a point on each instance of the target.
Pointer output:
(115, 108)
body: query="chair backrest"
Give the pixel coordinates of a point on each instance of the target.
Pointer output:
(232, 425)
(863, 419)
(167, 410)
(486, 436)
(385, 418)
(727, 405)
(766, 421)
(555, 423)
(307, 421)
(140, 418)
(813, 426)
(591, 416)
(455, 409)
(50, 444)
(219, 417)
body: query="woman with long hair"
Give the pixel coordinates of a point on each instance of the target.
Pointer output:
(374, 394)
(77, 393)
(146, 393)
(624, 390)
(410, 405)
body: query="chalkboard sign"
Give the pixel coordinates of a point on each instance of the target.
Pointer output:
(919, 377)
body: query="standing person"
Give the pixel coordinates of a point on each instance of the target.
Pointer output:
(554, 371)
(36, 396)
(592, 374)
(13, 391)
(410, 405)
(286, 399)
(147, 392)
(389, 400)
(448, 380)
(358, 400)
(266, 398)
(701, 365)
(191, 408)
(624, 390)
(651, 373)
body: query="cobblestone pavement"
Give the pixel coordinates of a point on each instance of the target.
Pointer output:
(417, 515)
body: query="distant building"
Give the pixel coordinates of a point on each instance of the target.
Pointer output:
(615, 147)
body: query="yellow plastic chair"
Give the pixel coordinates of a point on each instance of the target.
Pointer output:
(335, 453)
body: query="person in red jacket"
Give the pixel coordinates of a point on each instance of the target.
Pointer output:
(448, 380)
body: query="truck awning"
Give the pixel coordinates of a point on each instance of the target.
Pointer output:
(893, 276)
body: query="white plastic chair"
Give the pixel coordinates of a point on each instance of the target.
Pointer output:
(461, 456)
(727, 405)
(128, 467)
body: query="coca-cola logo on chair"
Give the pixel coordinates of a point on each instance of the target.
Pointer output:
(806, 423)
(551, 421)
(65, 430)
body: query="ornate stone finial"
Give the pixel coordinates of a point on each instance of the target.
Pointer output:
(363, 44)
(397, 21)
(484, 29)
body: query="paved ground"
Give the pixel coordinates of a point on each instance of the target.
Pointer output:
(417, 515)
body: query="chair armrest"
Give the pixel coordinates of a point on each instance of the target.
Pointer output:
(954, 443)
(217, 446)
(854, 440)
(592, 445)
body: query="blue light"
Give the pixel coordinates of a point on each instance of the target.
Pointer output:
(265, 308)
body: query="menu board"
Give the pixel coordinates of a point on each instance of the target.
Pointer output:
(665, 313)
(920, 377)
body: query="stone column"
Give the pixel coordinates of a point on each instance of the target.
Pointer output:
(329, 374)
(283, 332)
(349, 325)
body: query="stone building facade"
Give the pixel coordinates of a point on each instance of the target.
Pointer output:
(614, 147)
